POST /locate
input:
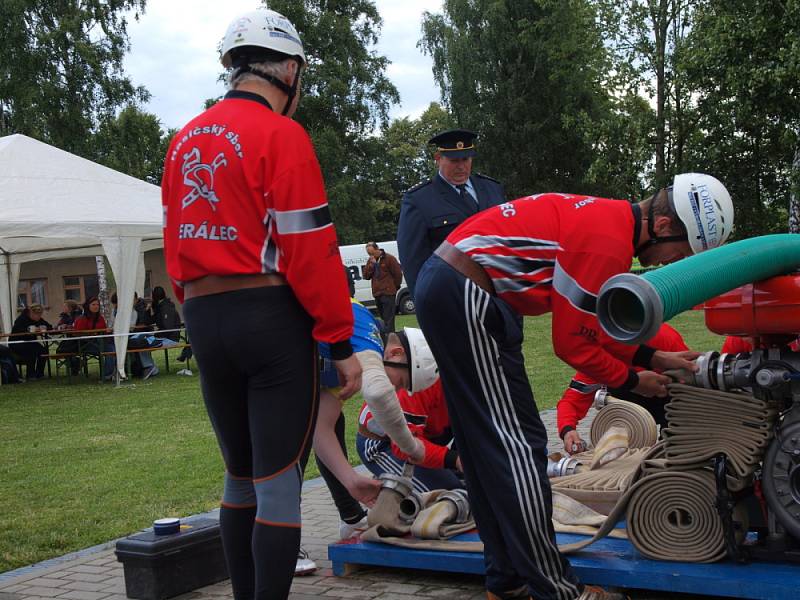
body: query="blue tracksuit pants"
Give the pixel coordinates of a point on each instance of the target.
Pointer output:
(477, 341)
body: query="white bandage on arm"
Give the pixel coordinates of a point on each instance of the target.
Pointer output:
(382, 400)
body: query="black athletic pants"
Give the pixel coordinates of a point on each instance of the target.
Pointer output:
(259, 377)
(476, 339)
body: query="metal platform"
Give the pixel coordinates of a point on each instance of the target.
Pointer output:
(609, 562)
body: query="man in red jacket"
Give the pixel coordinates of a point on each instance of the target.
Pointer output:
(544, 253)
(426, 415)
(250, 247)
(579, 396)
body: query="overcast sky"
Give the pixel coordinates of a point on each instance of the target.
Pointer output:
(173, 54)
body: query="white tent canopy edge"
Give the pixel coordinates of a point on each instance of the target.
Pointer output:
(54, 204)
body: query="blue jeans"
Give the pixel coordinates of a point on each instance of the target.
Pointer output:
(147, 357)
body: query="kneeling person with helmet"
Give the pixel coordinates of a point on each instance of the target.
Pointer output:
(539, 254)
(384, 371)
(425, 413)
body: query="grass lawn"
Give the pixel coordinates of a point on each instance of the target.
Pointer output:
(86, 463)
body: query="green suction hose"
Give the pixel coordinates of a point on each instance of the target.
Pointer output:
(631, 308)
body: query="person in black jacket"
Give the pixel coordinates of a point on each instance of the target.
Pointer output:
(164, 315)
(433, 208)
(8, 366)
(29, 350)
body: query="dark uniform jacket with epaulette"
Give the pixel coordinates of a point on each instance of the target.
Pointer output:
(430, 211)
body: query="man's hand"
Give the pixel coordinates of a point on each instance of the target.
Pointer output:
(665, 361)
(573, 442)
(364, 489)
(652, 384)
(349, 371)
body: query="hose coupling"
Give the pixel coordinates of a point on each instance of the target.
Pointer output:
(563, 467)
(410, 507)
(461, 501)
(398, 483)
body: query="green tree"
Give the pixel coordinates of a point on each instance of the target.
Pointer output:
(647, 38)
(133, 143)
(346, 98)
(744, 64)
(408, 156)
(401, 158)
(61, 68)
(529, 77)
(623, 153)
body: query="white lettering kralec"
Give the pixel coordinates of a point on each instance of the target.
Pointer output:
(204, 231)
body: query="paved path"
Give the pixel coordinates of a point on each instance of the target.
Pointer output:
(95, 574)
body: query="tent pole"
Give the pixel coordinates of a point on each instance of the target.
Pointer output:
(11, 293)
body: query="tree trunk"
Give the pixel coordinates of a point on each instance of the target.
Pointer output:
(660, 15)
(794, 193)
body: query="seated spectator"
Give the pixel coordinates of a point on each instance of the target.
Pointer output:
(426, 415)
(140, 311)
(28, 349)
(164, 315)
(579, 396)
(143, 363)
(8, 367)
(70, 311)
(91, 319)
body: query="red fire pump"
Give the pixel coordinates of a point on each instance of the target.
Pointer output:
(768, 313)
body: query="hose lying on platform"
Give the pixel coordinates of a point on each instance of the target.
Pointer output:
(670, 509)
(631, 308)
(601, 488)
(667, 493)
(703, 423)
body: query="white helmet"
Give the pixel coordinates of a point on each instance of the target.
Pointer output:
(421, 364)
(265, 29)
(705, 207)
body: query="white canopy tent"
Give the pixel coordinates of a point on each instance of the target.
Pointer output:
(56, 205)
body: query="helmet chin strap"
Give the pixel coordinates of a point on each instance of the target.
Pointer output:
(654, 239)
(399, 365)
(289, 90)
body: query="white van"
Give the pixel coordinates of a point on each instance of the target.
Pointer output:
(355, 257)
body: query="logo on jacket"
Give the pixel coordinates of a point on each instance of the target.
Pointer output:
(199, 177)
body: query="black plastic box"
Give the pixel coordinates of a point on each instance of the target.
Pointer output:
(162, 566)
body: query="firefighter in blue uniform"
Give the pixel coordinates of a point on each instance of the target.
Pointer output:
(433, 208)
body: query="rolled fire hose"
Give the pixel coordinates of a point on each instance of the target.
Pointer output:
(670, 509)
(631, 308)
(447, 516)
(444, 514)
(671, 515)
(619, 432)
(642, 428)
